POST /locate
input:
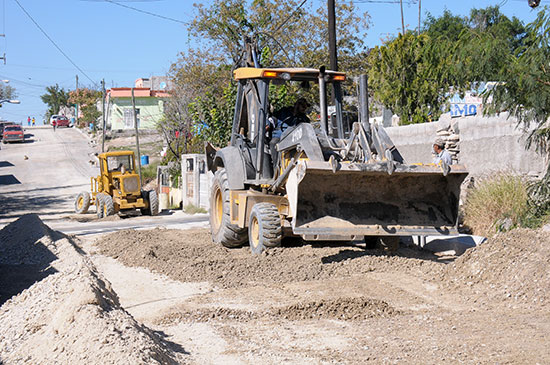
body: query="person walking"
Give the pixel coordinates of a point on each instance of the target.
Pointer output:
(29, 121)
(33, 121)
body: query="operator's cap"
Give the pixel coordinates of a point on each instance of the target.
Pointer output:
(439, 142)
(303, 101)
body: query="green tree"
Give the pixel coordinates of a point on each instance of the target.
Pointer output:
(7, 92)
(87, 100)
(287, 35)
(524, 90)
(295, 36)
(414, 75)
(55, 97)
(410, 76)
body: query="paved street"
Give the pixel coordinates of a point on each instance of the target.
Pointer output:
(44, 174)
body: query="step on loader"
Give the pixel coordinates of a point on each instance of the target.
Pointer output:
(117, 188)
(341, 181)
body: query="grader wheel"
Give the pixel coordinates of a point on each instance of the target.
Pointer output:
(99, 204)
(108, 206)
(82, 202)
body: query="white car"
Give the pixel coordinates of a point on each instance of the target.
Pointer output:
(54, 118)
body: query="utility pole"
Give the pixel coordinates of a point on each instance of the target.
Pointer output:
(103, 113)
(76, 105)
(419, 11)
(402, 19)
(333, 53)
(332, 35)
(137, 136)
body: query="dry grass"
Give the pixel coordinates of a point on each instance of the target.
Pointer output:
(497, 201)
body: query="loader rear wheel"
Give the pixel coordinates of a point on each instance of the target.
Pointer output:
(82, 202)
(108, 206)
(264, 228)
(223, 232)
(152, 203)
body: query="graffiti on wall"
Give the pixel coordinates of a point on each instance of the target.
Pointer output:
(463, 110)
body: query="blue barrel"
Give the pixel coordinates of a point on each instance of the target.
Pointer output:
(144, 160)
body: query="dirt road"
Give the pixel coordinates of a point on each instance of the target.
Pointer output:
(170, 296)
(341, 304)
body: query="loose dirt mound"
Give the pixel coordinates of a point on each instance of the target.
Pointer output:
(70, 316)
(511, 267)
(341, 308)
(190, 256)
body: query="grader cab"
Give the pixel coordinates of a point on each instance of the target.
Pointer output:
(117, 188)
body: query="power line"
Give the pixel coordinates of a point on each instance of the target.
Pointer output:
(290, 16)
(146, 12)
(51, 40)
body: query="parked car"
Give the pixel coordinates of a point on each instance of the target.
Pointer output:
(61, 121)
(13, 133)
(3, 123)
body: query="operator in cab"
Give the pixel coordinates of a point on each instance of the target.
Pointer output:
(283, 119)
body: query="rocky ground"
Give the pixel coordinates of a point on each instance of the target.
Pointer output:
(171, 296)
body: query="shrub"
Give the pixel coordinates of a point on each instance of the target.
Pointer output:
(192, 209)
(499, 202)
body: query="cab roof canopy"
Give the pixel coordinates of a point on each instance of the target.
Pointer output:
(287, 74)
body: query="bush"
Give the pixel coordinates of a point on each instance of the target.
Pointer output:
(498, 203)
(192, 209)
(149, 172)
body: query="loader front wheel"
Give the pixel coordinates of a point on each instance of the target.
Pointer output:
(264, 228)
(82, 202)
(223, 232)
(108, 206)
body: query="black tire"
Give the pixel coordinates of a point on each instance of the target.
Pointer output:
(223, 232)
(389, 244)
(152, 200)
(264, 227)
(82, 203)
(371, 242)
(108, 205)
(99, 205)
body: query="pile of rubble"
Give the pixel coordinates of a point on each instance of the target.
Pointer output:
(448, 131)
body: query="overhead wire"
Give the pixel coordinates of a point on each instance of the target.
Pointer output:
(146, 12)
(55, 44)
(290, 16)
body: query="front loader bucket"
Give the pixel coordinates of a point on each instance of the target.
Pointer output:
(355, 200)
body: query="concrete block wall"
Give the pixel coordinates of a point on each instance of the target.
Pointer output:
(487, 144)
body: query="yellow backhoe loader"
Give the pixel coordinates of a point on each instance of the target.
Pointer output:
(340, 181)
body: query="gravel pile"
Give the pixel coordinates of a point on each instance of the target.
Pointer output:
(71, 315)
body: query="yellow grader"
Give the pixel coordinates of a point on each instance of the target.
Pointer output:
(339, 181)
(117, 188)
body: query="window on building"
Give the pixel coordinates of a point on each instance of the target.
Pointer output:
(129, 117)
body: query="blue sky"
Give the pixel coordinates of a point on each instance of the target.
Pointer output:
(118, 44)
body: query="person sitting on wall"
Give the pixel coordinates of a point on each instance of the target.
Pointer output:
(441, 154)
(283, 119)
